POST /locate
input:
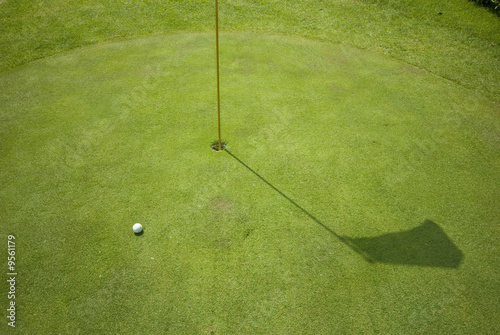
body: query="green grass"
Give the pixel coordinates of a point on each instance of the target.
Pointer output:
(334, 136)
(462, 44)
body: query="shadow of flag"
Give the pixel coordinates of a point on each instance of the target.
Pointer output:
(425, 245)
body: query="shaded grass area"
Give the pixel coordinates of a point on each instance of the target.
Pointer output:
(106, 136)
(454, 39)
(493, 5)
(426, 245)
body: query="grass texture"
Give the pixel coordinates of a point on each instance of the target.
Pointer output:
(340, 159)
(454, 39)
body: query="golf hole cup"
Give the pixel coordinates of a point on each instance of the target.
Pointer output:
(137, 228)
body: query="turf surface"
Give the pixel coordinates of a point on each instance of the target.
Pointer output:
(337, 158)
(454, 39)
(358, 194)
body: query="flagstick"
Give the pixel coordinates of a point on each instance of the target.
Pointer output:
(218, 80)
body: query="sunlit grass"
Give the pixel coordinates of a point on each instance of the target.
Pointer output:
(457, 40)
(346, 123)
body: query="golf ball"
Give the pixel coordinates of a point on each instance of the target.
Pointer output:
(137, 228)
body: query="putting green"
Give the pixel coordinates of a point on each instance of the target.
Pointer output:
(324, 141)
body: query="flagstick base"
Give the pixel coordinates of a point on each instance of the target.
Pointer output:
(215, 146)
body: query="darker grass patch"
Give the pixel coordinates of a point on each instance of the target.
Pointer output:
(221, 204)
(248, 232)
(211, 330)
(491, 5)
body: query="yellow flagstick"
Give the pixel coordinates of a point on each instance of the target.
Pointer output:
(218, 80)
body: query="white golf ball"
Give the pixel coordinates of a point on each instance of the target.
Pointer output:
(137, 228)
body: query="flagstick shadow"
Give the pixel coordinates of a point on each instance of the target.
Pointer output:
(425, 245)
(339, 237)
